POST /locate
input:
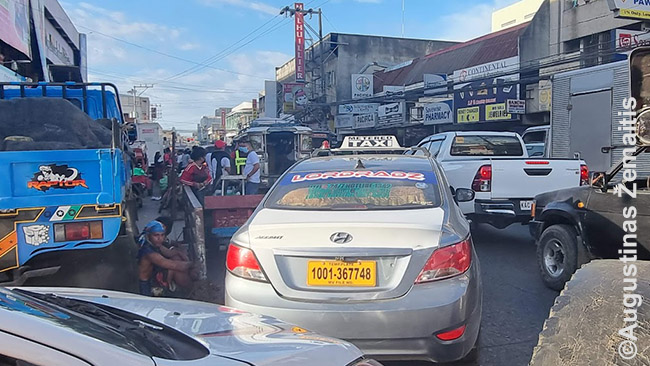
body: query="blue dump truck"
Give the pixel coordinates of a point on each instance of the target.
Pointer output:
(64, 154)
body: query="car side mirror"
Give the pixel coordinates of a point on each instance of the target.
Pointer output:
(464, 195)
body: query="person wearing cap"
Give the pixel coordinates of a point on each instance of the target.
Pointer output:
(160, 269)
(219, 163)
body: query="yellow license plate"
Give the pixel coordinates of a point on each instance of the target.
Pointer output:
(338, 273)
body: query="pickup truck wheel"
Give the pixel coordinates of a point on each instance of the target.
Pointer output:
(557, 255)
(584, 323)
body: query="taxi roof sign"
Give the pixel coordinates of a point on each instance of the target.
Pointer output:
(370, 143)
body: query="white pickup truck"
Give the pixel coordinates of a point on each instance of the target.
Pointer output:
(497, 167)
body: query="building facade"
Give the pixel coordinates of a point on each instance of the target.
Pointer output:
(136, 109)
(331, 65)
(515, 14)
(239, 118)
(50, 50)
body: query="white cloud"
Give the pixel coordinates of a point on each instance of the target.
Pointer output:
(97, 22)
(253, 5)
(189, 46)
(185, 99)
(474, 21)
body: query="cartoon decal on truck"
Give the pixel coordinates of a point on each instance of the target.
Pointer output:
(56, 176)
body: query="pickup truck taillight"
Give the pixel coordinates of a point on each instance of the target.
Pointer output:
(447, 262)
(483, 179)
(242, 263)
(584, 175)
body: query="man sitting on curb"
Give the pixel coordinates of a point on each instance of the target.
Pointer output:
(160, 269)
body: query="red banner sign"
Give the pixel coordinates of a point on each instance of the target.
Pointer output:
(223, 118)
(300, 42)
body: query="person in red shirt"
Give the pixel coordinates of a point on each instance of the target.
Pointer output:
(197, 174)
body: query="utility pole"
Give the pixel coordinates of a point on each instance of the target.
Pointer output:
(135, 95)
(289, 11)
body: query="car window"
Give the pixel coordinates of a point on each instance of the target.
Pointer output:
(362, 190)
(534, 137)
(434, 148)
(425, 145)
(476, 145)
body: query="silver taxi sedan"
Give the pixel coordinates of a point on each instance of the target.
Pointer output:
(366, 247)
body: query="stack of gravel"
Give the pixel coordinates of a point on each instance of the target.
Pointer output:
(49, 124)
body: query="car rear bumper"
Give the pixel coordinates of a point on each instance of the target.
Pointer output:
(503, 211)
(397, 329)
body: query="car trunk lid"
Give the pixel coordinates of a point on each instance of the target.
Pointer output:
(296, 248)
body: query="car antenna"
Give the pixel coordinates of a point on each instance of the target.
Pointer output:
(359, 165)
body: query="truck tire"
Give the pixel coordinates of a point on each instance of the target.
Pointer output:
(557, 255)
(583, 325)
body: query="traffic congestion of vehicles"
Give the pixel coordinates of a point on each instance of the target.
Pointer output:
(383, 201)
(497, 167)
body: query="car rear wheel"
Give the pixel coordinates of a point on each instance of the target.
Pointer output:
(557, 255)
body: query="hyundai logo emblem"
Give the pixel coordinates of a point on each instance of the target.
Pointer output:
(341, 238)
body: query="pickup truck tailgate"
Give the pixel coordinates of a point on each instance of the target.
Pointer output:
(528, 178)
(50, 178)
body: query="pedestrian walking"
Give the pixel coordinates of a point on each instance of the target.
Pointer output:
(157, 175)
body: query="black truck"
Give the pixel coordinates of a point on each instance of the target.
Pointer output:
(611, 218)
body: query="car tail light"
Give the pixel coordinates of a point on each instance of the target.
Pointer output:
(447, 262)
(584, 175)
(483, 179)
(76, 231)
(452, 334)
(242, 262)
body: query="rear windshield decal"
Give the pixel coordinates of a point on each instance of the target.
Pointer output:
(382, 174)
(356, 190)
(56, 176)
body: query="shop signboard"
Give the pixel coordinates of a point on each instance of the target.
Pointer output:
(299, 23)
(633, 9)
(365, 121)
(358, 108)
(471, 100)
(438, 113)
(344, 121)
(294, 97)
(362, 86)
(392, 113)
(435, 83)
(57, 48)
(516, 106)
(14, 24)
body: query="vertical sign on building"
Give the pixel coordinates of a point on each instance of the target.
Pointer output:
(300, 42)
(223, 119)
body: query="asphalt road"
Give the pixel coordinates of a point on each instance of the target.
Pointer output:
(515, 301)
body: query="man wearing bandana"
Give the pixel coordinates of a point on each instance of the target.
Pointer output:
(160, 269)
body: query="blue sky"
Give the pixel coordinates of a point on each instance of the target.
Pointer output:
(161, 42)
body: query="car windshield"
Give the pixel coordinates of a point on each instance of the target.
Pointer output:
(475, 145)
(356, 190)
(113, 326)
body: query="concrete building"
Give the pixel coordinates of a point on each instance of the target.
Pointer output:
(51, 50)
(568, 35)
(239, 118)
(141, 112)
(462, 87)
(515, 14)
(331, 64)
